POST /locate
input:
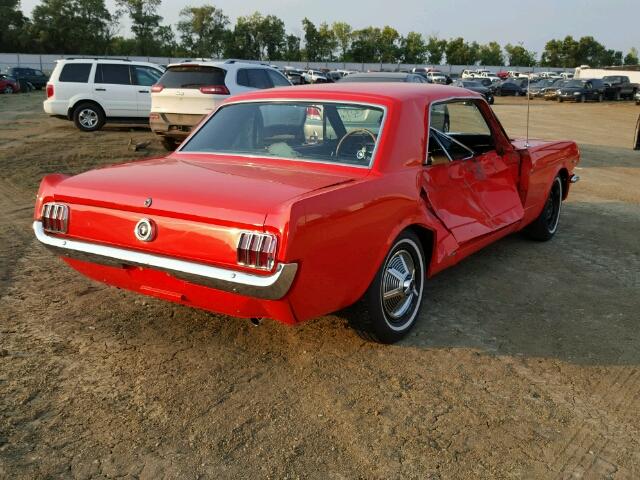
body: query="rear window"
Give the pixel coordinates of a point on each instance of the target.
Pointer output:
(193, 76)
(75, 72)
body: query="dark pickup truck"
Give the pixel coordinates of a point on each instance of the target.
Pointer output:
(618, 87)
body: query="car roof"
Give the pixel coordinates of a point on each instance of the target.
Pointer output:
(228, 65)
(106, 60)
(377, 93)
(382, 75)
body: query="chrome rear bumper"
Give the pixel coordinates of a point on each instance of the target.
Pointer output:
(268, 287)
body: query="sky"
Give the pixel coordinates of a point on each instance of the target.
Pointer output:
(612, 22)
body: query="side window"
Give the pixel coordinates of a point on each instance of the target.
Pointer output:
(75, 72)
(113, 73)
(254, 78)
(145, 76)
(39, 73)
(463, 118)
(277, 79)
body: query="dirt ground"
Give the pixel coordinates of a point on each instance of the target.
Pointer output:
(525, 362)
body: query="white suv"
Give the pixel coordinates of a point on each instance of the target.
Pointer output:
(92, 91)
(189, 91)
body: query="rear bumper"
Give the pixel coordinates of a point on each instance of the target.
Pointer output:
(267, 287)
(174, 125)
(56, 108)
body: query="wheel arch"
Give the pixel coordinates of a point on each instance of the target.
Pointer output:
(75, 104)
(564, 176)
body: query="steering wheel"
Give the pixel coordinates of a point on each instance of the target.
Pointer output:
(359, 131)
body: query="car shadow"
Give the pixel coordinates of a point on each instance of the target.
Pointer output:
(574, 298)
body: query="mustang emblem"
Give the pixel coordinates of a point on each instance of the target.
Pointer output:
(145, 230)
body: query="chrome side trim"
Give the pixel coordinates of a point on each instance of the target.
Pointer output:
(267, 287)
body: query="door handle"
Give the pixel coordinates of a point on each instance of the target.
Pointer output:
(143, 91)
(101, 89)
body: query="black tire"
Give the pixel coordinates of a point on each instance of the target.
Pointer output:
(170, 144)
(601, 98)
(88, 117)
(545, 226)
(560, 99)
(583, 98)
(618, 96)
(387, 321)
(8, 89)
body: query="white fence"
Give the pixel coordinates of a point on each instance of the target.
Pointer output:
(47, 62)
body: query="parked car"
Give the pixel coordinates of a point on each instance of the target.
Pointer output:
(551, 94)
(581, 90)
(29, 75)
(539, 89)
(384, 77)
(509, 88)
(248, 219)
(8, 84)
(477, 87)
(315, 76)
(186, 93)
(468, 74)
(437, 77)
(618, 87)
(91, 92)
(294, 77)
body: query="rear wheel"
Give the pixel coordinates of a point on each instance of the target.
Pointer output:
(169, 144)
(392, 302)
(545, 226)
(88, 117)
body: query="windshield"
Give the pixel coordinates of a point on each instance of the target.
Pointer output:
(309, 131)
(574, 83)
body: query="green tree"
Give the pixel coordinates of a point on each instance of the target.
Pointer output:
(71, 26)
(202, 30)
(436, 49)
(256, 37)
(460, 52)
(632, 57)
(145, 25)
(491, 54)
(292, 51)
(342, 32)
(14, 27)
(311, 40)
(389, 47)
(413, 48)
(519, 56)
(327, 42)
(365, 46)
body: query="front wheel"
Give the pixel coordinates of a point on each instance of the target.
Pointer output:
(8, 89)
(545, 226)
(392, 301)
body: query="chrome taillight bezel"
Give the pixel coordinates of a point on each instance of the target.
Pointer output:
(55, 217)
(257, 250)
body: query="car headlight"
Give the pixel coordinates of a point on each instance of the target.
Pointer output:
(577, 93)
(559, 92)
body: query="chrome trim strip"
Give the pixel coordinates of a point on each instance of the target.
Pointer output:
(381, 130)
(267, 287)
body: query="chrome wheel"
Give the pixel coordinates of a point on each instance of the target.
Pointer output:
(399, 288)
(88, 118)
(8, 89)
(552, 207)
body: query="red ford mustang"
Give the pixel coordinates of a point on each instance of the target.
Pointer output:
(293, 203)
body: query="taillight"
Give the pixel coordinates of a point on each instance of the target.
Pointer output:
(49, 90)
(257, 250)
(158, 87)
(215, 89)
(55, 217)
(154, 116)
(313, 113)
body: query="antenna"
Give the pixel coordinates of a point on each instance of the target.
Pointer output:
(526, 143)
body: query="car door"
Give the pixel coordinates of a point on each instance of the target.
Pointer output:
(115, 90)
(143, 78)
(483, 192)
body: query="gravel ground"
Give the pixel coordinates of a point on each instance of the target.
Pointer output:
(524, 363)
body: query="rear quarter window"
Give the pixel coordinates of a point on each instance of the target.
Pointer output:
(113, 73)
(192, 76)
(254, 78)
(75, 72)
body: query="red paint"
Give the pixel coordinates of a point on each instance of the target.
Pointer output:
(337, 222)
